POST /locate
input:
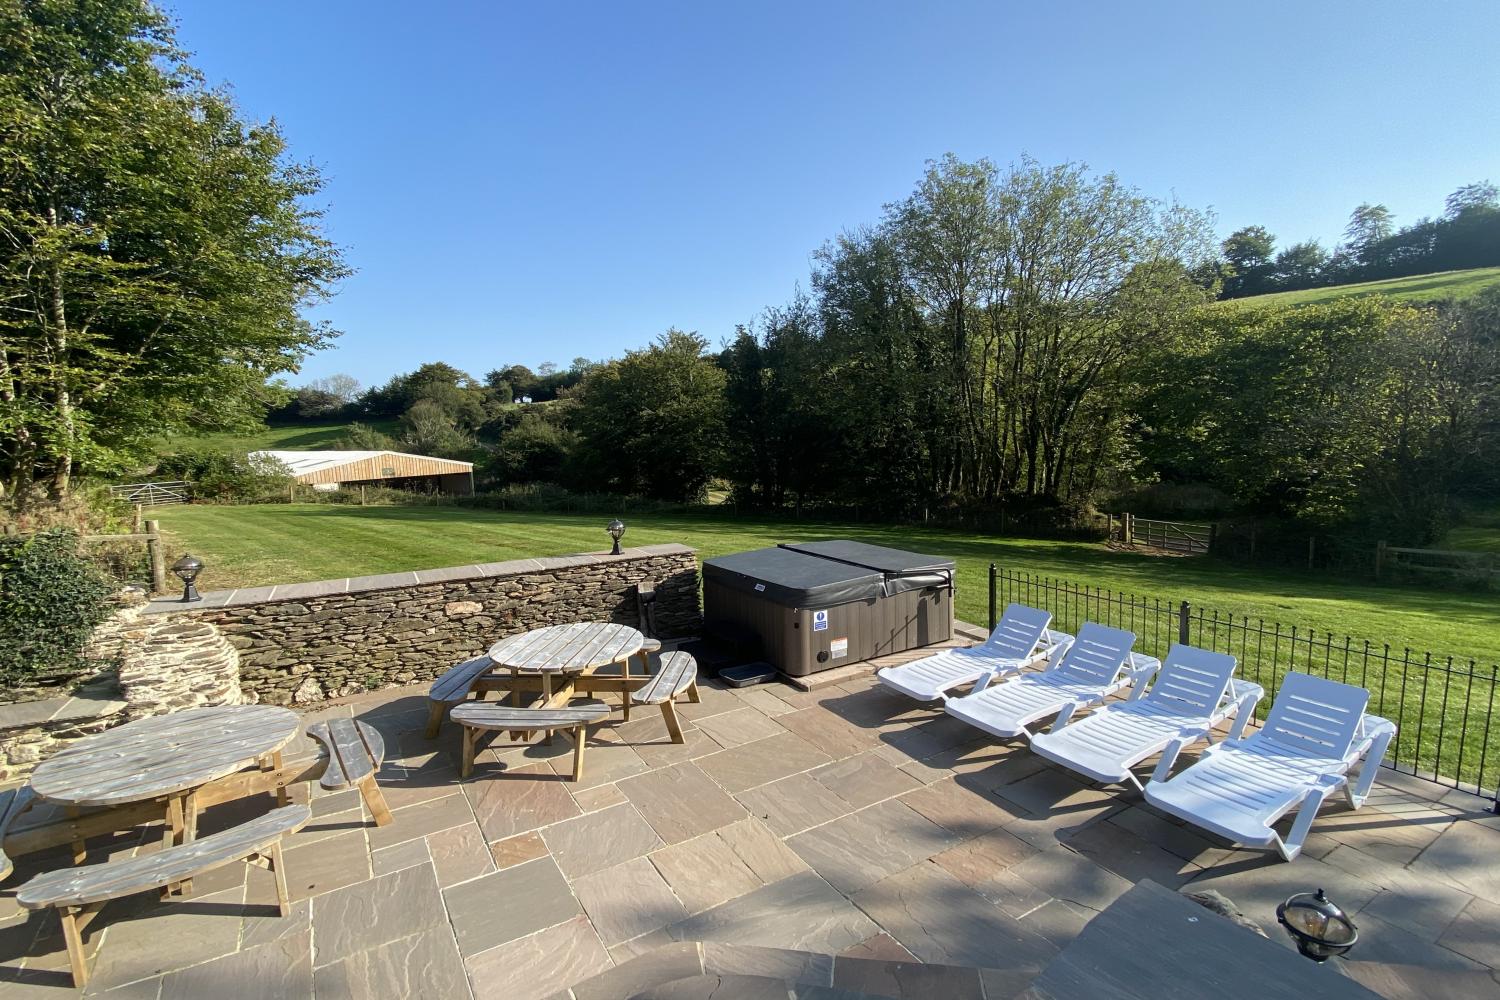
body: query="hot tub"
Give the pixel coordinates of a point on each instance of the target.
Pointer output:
(809, 606)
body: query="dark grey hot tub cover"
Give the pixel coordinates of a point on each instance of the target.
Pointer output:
(826, 573)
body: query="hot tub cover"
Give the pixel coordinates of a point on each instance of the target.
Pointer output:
(826, 573)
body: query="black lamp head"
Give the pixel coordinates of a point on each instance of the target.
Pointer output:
(1318, 925)
(187, 569)
(616, 528)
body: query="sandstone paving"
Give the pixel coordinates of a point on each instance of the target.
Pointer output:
(863, 825)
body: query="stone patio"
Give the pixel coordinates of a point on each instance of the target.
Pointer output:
(843, 838)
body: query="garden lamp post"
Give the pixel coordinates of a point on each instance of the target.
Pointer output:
(616, 528)
(1319, 926)
(187, 569)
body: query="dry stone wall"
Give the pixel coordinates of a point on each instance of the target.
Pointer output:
(301, 643)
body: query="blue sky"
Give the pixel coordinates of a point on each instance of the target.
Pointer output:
(519, 183)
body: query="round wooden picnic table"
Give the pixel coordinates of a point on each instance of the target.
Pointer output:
(562, 655)
(165, 757)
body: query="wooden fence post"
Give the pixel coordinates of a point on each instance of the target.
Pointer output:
(1379, 557)
(1183, 619)
(158, 561)
(361, 494)
(136, 522)
(1213, 533)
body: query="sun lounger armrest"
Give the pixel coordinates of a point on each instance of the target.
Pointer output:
(1169, 756)
(1138, 674)
(1244, 695)
(1064, 716)
(1378, 733)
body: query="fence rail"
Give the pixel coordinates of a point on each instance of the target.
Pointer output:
(1453, 563)
(1444, 707)
(1170, 536)
(152, 494)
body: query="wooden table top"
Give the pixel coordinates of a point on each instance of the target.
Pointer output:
(163, 755)
(573, 648)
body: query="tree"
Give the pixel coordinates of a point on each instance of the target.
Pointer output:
(1368, 225)
(1300, 265)
(428, 429)
(155, 248)
(1249, 252)
(651, 423)
(363, 437)
(344, 388)
(1481, 195)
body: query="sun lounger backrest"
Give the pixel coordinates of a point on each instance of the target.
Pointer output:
(1192, 681)
(1315, 717)
(1019, 631)
(1096, 656)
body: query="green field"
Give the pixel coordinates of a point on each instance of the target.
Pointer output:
(1417, 288)
(289, 543)
(301, 436)
(1478, 533)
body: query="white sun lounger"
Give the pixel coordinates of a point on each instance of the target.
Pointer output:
(1096, 665)
(1316, 732)
(1020, 640)
(1193, 692)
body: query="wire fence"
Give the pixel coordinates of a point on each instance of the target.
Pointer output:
(1444, 707)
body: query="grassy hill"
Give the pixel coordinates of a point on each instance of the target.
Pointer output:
(1416, 288)
(300, 436)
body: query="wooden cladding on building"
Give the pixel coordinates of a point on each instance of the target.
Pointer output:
(389, 465)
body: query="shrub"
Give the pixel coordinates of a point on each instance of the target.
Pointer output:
(51, 599)
(228, 476)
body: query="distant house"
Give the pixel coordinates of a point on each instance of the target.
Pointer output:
(330, 470)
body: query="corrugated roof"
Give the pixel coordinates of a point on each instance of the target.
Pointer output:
(300, 462)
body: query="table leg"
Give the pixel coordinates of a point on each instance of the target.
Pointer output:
(171, 835)
(580, 737)
(80, 849)
(547, 699)
(189, 831)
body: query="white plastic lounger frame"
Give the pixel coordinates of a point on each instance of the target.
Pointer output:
(1317, 731)
(1095, 666)
(1194, 692)
(1020, 640)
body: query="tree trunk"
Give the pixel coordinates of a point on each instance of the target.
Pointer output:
(62, 473)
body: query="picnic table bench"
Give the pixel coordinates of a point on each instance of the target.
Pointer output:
(354, 751)
(79, 893)
(480, 716)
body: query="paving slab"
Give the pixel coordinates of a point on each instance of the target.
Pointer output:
(801, 968)
(660, 965)
(762, 851)
(1475, 933)
(793, 804)
(510, 904)
(628, 900)
(273, 971)
(800, 912)
(420, 820)
(866, 846)
(517, 850)
(704, 872)
(902, 980)
(962, 811)
(740, 726)
(327, 864)
(760, 762)
(540, 965)
(1464, 857)
(835, 736)
(520, 800)
(595, 841)
(864, 779)
(1065, 874)
(681, 802)
(404, 855)
(373, 913)
(459, 853)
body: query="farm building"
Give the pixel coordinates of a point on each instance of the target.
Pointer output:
(329, 470)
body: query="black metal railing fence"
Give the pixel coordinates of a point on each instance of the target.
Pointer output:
(1444, 707)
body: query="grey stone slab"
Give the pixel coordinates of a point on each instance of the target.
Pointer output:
(519, 801)
(304, 591)
(762, 851)
(28, 713)
(425, 966)
(680, 802)
(1175, 838)
(962, 811)
(627, 901)
(273, 971)
(449, 574)
(393, 859)
(263, 922)
(508, 568)
(835, 736)
(1068, 875)
(801, 968)
(864, 779)
(882, 948)
(420, 820)
(598, 840)
(605, 761)
(711, 986)
(801, 912)
(902, 980)
(249, 595)
(1412, 962)
(975, 861)
(459, 853)
(704, 872)
(866, 846)
(1464, 857)
(509, 904)
(1259, 881)
(738, 727)
(540, 965)
(327, 864)
(1130, 857)
(382, 581)
(370, 914)
(757, 763)
(793, 804)
(660, 965)
(940, 920)
(1475, 933)
(156, 938)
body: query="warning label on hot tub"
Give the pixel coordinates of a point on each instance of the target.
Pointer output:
(838, 648)
(820, 621)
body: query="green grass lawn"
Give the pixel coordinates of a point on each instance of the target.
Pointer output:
(1478, 533)
(301, 436)
(291, 543)
(1416, 288)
